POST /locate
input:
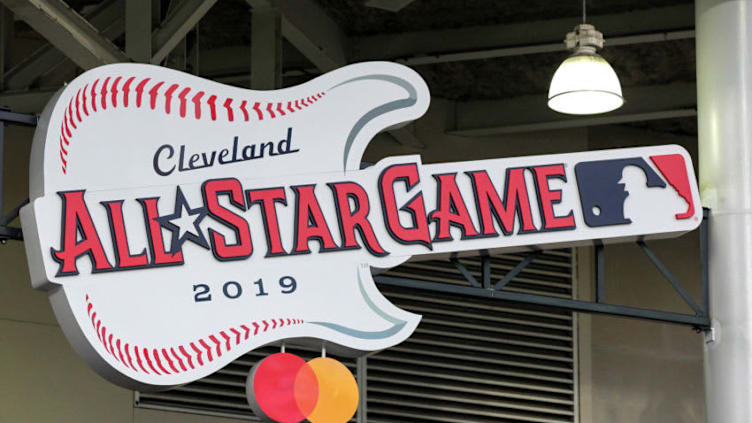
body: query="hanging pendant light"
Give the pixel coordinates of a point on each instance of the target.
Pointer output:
(584, 83)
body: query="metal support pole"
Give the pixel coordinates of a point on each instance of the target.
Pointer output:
(600, 277)
(671, 279)
(705, 276)
(486, 263)
(516, 270)
(724, 101)
(464, 270)
(6, 35)
(2, 166)
(362, 377)
(266, 48)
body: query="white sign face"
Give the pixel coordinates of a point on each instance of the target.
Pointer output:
(178, 223)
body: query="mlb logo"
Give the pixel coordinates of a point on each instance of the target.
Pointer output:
(623, 191)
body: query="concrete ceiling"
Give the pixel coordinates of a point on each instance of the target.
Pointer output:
(224, 41)
(637, 65)
(357, 19)
(640, 64)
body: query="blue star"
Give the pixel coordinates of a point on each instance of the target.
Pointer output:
(185, 226)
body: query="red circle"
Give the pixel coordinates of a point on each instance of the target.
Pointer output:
(273, 391)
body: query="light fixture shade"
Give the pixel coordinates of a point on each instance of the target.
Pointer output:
(585, 84)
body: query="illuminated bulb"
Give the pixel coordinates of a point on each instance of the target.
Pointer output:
(584, 83)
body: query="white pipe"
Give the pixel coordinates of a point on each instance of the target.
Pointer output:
(541, 48)
(428, 59)
(724, 94)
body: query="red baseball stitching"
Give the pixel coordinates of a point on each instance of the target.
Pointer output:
(231, 109)
(166, 360)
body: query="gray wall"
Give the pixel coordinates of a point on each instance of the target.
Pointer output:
(633, 370)
(630, 371)
(41, 377)
(640, 371)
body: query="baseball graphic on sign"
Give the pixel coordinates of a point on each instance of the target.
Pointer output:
(177, 223)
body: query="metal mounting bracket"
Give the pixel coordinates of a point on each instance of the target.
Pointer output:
(700, 320)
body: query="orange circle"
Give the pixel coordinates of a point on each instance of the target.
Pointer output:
(337, 393)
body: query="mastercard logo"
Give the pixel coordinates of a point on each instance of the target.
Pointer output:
(284, 388)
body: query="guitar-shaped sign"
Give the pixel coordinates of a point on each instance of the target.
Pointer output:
(178, 223)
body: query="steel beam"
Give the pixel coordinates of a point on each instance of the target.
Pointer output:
(138, 30)
(177, 24)
(106, 18)
(266, 48)
(26, 101)
(17, 118)
(545, 32)
(310, 30)
(67, 31)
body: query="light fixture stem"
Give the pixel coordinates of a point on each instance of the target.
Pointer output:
(584, 13)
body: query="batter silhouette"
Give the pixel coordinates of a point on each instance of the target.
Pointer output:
(634, 180)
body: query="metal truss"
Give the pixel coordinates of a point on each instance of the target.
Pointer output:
(488, 288)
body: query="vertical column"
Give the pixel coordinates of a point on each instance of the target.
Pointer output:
(266, 48)
(138, 20)
(177, 58)
(362, 378)
(724, 105)
(194, 54)
(583, 260)
(2, 167)
(156, 13)
(6, 36)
